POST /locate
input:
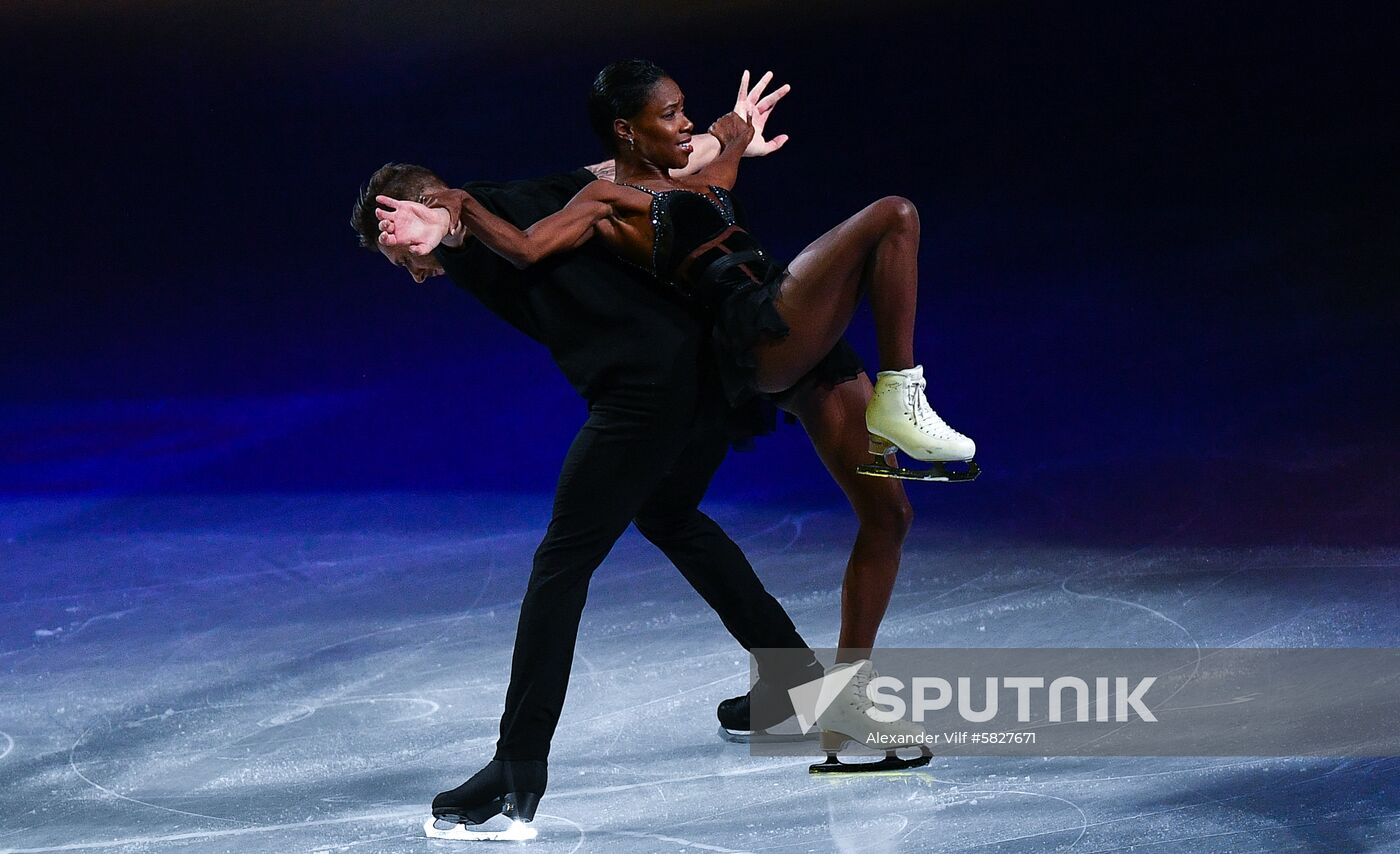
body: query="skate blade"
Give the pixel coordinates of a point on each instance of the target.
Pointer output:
(891, 762)
(765, 737)
(513, 831)
(936, 473)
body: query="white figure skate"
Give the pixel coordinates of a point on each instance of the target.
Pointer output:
(845, 721)
(899, 418)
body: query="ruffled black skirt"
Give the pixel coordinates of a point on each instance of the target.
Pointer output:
(745, 314)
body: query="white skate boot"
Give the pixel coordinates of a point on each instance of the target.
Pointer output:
(845, 721)
(899, 417)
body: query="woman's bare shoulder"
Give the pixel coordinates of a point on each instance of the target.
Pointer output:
(620, 197)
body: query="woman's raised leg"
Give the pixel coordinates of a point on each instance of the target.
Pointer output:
(875, 252)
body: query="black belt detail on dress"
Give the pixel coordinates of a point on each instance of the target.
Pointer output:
(718, 267)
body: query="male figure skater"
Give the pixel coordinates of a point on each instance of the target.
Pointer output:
(656, 432)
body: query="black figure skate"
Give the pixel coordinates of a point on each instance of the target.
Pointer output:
(509, 788)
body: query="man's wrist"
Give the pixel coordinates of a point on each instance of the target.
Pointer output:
(443, 219)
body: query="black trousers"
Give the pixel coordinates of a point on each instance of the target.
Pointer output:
(641, 458)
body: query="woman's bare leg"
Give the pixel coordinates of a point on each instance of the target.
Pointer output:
(834, 419)
(875, 251)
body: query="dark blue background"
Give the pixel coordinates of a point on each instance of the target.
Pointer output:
(1159, 266)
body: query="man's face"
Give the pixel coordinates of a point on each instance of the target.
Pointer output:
(420, 267)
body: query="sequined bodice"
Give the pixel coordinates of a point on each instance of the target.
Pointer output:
(691, 231)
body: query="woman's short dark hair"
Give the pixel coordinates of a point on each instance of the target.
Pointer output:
(395, 180)
(619, 92)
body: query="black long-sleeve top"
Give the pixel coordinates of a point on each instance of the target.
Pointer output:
(609, 327)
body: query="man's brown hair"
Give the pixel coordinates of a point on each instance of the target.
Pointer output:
(396, 180)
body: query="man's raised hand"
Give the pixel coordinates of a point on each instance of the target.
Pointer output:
(751, 104)
(410, 224)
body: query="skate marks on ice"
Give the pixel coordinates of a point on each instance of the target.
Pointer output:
(1270, 597)
(1276, 806)
(281, 713)
(1252, 805)
(557, 833)
(196, 840)
(362, 831)
(1253, 812)
(177, 760)
(900, 811)
(683, 844)
(1042, 822)
(73, 764)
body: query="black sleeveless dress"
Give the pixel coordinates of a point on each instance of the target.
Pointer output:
(702, 248)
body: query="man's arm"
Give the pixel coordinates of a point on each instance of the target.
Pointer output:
(733, 132)
(704, 147)
(605, 171)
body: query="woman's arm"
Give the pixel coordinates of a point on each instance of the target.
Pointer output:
(569, 228)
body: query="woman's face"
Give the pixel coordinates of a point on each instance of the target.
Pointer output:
(661, 132)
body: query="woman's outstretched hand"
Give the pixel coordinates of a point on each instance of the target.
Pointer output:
(752, 105)
(417, 226)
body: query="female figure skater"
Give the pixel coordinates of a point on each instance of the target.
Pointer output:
(772, 324)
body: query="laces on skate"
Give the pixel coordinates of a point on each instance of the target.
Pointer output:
(924, 415)
(915, 429)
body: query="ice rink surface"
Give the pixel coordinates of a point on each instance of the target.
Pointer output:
(271, 674)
